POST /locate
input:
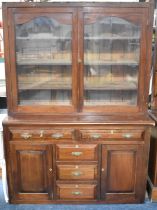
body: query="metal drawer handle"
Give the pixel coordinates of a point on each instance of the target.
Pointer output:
(127, 135)
(26, 136)
(57, 135)
(76, 193)
(77, 173)
(41, 134)
(95, 136)
(76, 153)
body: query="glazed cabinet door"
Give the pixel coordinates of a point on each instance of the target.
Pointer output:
(32, 171)
(113, 58)
(121, 174)
(44, 58)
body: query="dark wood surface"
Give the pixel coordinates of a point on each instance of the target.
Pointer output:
(77, 153)
(63, 163)
(135, 12)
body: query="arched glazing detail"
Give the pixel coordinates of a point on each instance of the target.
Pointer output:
(111, 61)
(44, 59)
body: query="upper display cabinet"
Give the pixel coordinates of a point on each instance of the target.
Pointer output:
(77, 57)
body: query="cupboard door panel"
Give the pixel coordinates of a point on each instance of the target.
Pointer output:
(32, 171)
(43, 52)
(120, 176)
(121, 171)
(113, 51)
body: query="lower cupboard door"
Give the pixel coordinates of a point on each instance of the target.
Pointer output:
(123, 174)
(31, 172)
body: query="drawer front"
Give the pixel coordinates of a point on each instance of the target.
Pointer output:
(75, 192)
(112, 134)
(76, 152)
(41, 134)
(77, 172)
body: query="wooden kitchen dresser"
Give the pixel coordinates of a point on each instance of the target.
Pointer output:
(77, 88)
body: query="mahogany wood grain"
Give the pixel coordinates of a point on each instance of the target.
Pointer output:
(50, 155)
(76, 172)
(32, 171)
(120, 166)
(139, 14)
(76, 152)
(78, 191)
(111, 134)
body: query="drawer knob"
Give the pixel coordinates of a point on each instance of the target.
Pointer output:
(76, 193)
(57, 135)
(50, 169)
(76, 153)
(127, 135)
(77, 173)
(95, 136)
(26, 136)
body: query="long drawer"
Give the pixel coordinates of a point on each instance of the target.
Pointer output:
(77, 172)
(112, 134)
(77, 152)
(75, 192)
(41, 134)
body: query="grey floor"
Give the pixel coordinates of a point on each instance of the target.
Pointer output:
(146, 206)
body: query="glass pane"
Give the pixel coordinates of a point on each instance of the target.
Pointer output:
(111, 58)
(44, 60)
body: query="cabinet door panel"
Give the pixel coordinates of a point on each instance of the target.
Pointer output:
(44, 59)
(121, 171)
(32, 171)
(113, 61)
(120, 176)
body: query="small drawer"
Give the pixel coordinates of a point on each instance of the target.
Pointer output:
(77, 172)
(41, 134)
(76, 191)
(111, 134)
(76, 152)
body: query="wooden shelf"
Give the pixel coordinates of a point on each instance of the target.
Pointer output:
(118, 62)
(109, 103)
(112, 86)
(62, 63)
(45, 85)
(42, 38)
(44, 102)
(112, 38)
(44, 62)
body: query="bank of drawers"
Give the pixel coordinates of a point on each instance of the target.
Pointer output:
(81, 173)
(76, 134)
(76, 155)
